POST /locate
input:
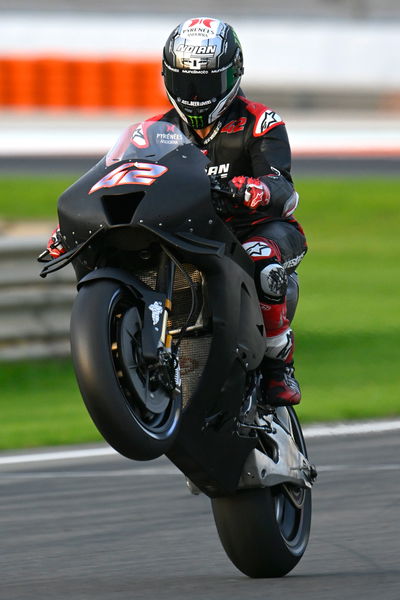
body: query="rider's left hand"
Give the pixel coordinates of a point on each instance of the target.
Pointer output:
(54, 245)
(250, 191)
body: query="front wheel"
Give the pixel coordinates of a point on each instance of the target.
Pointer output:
(135, 413)
(265, 531)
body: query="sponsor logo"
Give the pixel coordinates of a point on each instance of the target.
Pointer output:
(156, 311)
(197, 49)
(130, 173)
(221, 170)
(205, 22)
(169, 138)
(294, 261)
(254, 197)
(205, 28)
(266, 121)
(265, 307)
(212, 135)
(191, 72)
(138, 137)
(194, 103)
(257, 249)
(196, 64)
(234, 126)
(196, 121)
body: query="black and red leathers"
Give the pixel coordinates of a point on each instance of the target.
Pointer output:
(250, 140)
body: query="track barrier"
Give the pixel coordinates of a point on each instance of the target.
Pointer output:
(34, 312)
(75, 83)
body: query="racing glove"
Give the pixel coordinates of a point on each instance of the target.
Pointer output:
(54, 245)
(250, 192)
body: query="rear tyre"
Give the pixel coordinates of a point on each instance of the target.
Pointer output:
(265, 531)
(131, 409)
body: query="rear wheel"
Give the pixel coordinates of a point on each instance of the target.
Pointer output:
(130, 402)
(265, 531)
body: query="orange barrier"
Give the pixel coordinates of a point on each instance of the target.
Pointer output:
(71, 83)
(53, 82)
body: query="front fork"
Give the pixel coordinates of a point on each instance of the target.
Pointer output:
(165, 285)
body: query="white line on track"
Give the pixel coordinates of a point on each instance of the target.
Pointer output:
(357, 468)
(166, 470)
(311, 431)
(314, 431)
(133, 472)
(56, 455)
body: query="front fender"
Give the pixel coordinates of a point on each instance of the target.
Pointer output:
(147, 299)
(116, 274)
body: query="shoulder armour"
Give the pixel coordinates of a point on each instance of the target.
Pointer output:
(265, 118)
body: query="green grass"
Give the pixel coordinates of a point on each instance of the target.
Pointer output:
(348, 320)
(31, 197)
(41, 406)
(347, 324)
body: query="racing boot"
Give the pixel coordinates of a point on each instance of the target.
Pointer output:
(280, 387)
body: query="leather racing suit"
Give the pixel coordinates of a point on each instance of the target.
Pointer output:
(250, 139)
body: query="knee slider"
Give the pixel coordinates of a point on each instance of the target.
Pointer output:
(274, 281)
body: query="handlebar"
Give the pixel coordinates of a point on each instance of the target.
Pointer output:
(221, 187)
(224, 199)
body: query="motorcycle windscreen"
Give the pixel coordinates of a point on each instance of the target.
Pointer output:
(150, 140)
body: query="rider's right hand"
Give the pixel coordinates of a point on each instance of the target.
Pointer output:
(54, 245)
(250, 191)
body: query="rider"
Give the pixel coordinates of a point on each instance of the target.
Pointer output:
(247, 146)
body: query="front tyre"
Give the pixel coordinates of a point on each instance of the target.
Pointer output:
(130, 407)
(265, 531)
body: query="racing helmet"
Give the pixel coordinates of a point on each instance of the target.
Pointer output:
(202, 69)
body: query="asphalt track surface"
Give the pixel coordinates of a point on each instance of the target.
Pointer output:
(108, 528)
(302, 167)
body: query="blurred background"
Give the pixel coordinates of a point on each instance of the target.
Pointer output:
(74, 74)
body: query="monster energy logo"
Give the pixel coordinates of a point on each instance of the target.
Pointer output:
(196, 121)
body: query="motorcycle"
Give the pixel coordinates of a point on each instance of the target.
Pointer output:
(167, 338)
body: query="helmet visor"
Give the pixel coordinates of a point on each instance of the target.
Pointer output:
(202, 86)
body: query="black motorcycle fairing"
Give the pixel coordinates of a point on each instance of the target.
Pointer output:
(82, 211)
(186, 207)
(207, 441)
(176, 210)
